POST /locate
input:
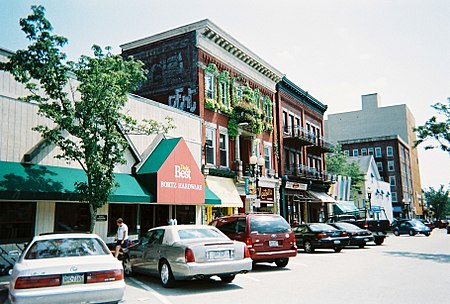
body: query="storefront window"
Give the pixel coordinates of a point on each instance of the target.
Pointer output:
(17, 222)
(128, 212)
(185, 214)
(72, 217)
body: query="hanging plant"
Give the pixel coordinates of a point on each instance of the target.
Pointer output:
(246, 114)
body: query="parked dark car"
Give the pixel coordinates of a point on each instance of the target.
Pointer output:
(358, 237)
(319, 235)
(411, 227)
(441, 224)
(427, 223)
(268, 236)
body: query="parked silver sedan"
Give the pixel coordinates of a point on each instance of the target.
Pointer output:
(183, 252)
(67, 268)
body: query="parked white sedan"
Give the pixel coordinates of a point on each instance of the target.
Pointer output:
(183, 252)
(67, 268)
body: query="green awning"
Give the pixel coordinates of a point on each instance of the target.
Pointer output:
(344, 208)
(211, 198)
(20, 181)
(159, 156)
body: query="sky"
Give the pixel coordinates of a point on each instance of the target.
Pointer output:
(337, 50)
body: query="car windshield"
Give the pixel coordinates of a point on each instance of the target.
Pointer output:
(66, 247)
(199, 233)
(347, 226)
(321, 227)
(268, 224)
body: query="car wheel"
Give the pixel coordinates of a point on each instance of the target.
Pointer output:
(282, 262)
(166, 275)
(362, 245)
(337, 249)
(427, 234)
(309, 248)
(227, 278)
(396, 233)
(412, 232)
(379, 241)
(127, 266)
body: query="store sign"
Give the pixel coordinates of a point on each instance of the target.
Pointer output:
(296, 186)
(266, 194)
(101, 218)
(180, 180)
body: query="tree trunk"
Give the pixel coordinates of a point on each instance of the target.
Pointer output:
(93, 212)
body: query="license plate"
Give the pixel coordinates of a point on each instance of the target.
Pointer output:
(337, 242)
(218, 255)
(68, 279)
(273, 243)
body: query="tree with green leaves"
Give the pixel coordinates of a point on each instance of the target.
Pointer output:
(436, 130)
(84, 100)
(337, 162)
(438, 201)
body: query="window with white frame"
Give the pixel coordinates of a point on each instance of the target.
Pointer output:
(391, 166)
(224, 93)
(378, 152)
(394, 197)
(209, 86)
(389, 151)
(285, 122)
(267, 157)
(223, 146)
(364, 151)
(380, 166)
(210, 146)
(392, 180)
(355, 152)
(347, 153)
(370, 151)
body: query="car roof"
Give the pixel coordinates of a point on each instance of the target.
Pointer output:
(52, 236)
(183, 226)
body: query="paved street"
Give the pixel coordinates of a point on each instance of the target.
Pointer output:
(404, 270)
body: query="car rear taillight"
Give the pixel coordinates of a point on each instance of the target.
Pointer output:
(344, 233)
(246, 252)
(37, 281)
(104, 276)
(321, 235)
(249, 242)
(189, 255)
(366, 226)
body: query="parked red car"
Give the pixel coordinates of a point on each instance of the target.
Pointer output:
(268, 236)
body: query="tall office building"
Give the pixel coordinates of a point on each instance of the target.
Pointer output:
(387, 134)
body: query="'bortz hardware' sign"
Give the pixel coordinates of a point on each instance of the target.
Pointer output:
(179, 180)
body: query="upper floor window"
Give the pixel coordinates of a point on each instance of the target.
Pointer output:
(223, 146)
(267, 157)
(210, 146)
(347, 153)
(391, 165)
(370, 151)
(285, 122)
(389, 151)
(267, 109)
(377, 151)
(364, 151)
(392, 180)
(209, 86)
(224, 93)
(355, 152)
(394, 197)
(380, 166)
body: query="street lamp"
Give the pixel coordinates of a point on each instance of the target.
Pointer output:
(369, 198)
(257, 164)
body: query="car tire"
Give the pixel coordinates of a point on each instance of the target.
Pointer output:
(127, 266)
(282, 262)
(337, 249)
(379, 241)
(412, 232)
(362, 245)
(396, 233)
(308, 246)
(427, 233)
(227, 278)
(166, 275)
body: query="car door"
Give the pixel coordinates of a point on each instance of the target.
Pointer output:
(152, 251)
(300, 232)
